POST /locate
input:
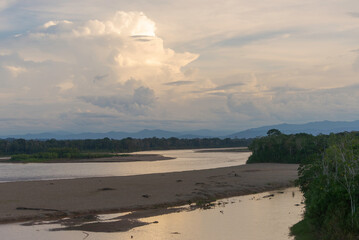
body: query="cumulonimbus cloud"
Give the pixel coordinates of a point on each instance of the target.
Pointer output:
(93, 61)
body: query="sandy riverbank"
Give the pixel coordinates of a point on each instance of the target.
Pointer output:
(119, 158)
(43, 199)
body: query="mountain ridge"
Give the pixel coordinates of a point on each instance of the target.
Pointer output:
(315, 128)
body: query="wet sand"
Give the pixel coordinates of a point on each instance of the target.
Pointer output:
(42, 200)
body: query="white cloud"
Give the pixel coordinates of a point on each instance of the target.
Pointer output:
(136, 103)
(260, 62)
(125, 46)
(50, 24)
(114, 66)
(65, 86)
(122, 24)
(5, 4)
(15, 70)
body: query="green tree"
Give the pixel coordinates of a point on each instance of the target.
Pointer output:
(331, 188)
(273, 132)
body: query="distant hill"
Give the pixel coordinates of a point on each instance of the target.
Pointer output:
(315, 128)
(120, 135)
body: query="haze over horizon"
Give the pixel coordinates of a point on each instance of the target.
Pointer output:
(185, 65)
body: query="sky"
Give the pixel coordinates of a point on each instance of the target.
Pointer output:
(120, 65)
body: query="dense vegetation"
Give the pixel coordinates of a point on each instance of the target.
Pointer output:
(20, 146)
(57, 153)
(328, 178)
(282, 148)
(330, 185)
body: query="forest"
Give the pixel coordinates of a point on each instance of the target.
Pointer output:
(282, 148)
(9, 147)
(328, 177)
(330, 184)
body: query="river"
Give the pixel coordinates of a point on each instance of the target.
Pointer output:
(185, 160)
(264, 216)
(248, 217)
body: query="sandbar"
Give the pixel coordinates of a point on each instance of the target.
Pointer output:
(42, 200)
(118, 158)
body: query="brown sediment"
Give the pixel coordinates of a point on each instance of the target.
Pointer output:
(123, 223)
(22, 201)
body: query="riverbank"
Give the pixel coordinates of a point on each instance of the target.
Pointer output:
(237, 149)
(21, 201)
(118, 158)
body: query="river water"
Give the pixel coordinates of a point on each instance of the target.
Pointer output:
(185, 160)
(250, 217)
(246, 217)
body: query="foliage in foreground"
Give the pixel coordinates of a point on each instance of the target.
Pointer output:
(303, 231)
(330, 185)
(328, 178)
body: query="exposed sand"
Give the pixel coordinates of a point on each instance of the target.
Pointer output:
(59, 198)
(119, 158)
(234, 149)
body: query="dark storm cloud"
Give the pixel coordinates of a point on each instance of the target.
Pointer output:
(354, 14)
(178, 83)
(100, 77)
(228, 86)
(137, 103)
(241, 40)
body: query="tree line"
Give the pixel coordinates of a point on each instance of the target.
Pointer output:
(328, 177)
(282, 148)
(21, 146)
